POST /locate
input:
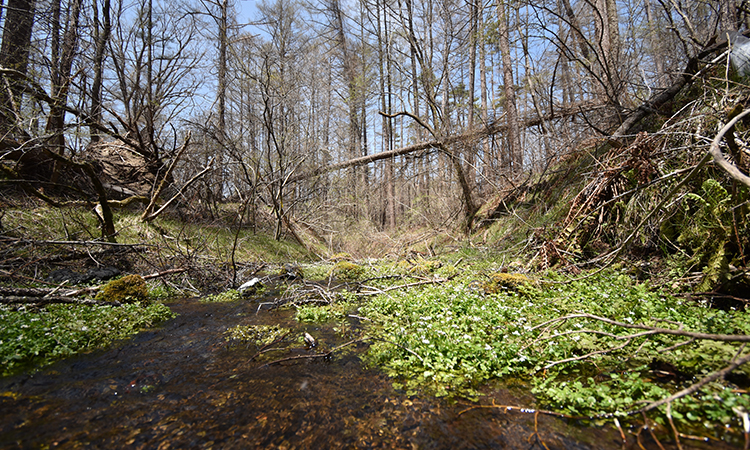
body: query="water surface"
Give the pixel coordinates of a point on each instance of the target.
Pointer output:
(181, 386)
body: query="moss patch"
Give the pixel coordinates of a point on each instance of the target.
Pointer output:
(128, 289)
(501, 282)
(346, 270)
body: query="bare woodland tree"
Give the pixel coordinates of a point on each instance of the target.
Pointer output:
(332, 84)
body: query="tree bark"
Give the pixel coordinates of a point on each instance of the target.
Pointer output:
(14, 54)
(61, 80)
(101, 38)
(515, 152)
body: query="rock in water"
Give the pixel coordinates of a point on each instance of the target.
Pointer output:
(250, 286)
(309, 340)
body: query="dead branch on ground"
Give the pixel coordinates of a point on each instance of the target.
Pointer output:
(645, 331)
(42, 301)
(151, 216)
(377, 291)
(147, 213)
(325, 355)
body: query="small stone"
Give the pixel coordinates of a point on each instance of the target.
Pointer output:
(309, 340)
(250, 286)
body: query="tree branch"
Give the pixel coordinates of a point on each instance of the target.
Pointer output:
(652, 330)
(149, 217)
(718, 156)
(694, 387)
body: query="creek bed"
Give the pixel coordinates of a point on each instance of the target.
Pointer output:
(181, 386)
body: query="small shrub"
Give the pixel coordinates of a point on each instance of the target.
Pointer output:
(420, 266)
(425, 267)
(403, 266)
(128, 289)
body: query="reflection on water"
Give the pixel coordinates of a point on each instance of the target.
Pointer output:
(180, 386)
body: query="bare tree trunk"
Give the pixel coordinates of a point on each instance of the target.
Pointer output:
(608, 38)
(729, 17)
(483, 91)
(101, 38)
(470, 148)
(385, 106)
(14, 54)
(515, 152)
(222, 100)
(576, 29)
(350, 75)
(61, 79)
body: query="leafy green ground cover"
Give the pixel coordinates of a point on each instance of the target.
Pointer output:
(39, 337)
(451, 337)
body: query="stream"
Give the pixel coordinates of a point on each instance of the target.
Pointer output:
(181, 386)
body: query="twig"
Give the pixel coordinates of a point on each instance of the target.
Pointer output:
(578, 358)
(265, 348)
(651, 432)
(315, 356)
(56, 289)
(715, 151)
(714, 295)
(653, 330)
(694, 387)
(152, 215)
(376, 291)
(678, 345)
(674, 429)
(536, 431)
(161, 274)
(524, 410)
(622, 433)
(354, 316)
(260, 305)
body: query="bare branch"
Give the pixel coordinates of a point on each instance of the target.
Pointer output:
(718, 156)
(148, 217)
(694, 387)
(653, 330)
(163, 184)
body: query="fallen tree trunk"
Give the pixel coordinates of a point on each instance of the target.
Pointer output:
(691, 72)
(491, 129)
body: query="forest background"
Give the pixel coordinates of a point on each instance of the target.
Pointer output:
(434, 107)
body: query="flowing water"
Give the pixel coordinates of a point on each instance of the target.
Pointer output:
(181, 386)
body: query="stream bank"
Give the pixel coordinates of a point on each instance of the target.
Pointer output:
(181, 386)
